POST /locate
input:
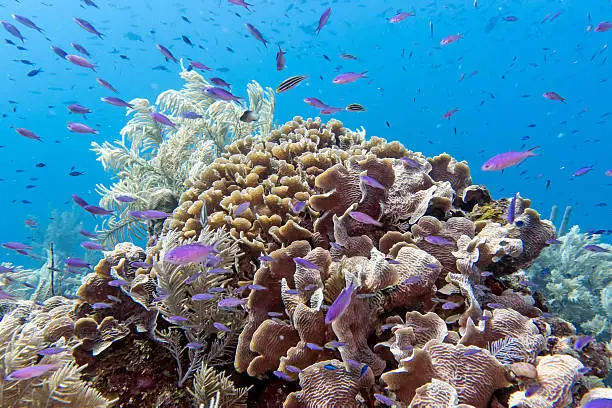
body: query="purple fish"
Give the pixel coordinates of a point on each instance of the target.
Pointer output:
(370, 181)
(177, 319)
(293, 369)
(599, 403)
(255, 33)
(26, 22)
(280, 59)
(471, 352)
(602, 27)
(231, 302)
(349, 77)
(508, 159)
(194, 345)
(166, 53)
(299, 207)
(28, 134)
(101, 305)
(364, 218)
(59, 52)
(199, 65)
(220, 93)
(436, 240)
(512, 209)
(595, 248)
(275, 314)
(412, 280)
(106, 85)
(76, 263)
(330, 110)
(193, 278)
(191, 115)
(50, 351)
(450, 305)
(582, 171)
(87, 233)
(401, 16)
(241, 209)
(315, 103)
(159, 118)
(220, 82)
(282, 376)
(16, 246)
(118, 282)
(30, 372)
(149, 214)
(125, 199)
(87, 26)
(80, 48)
(81, 128)
(189, 253)
(392, 261)
(410, 162)
(221, 327)
(12, 30)
(80, 61)
(306, 264)
(314, 347)
(386, 400)
(340, 304)
(553, 241)
(582, 342)
(496, 306)
(111, 100)
(266, 258)
(140, 264)
(240, 3)
(202, 296)
(79, 109)
(79, 201)
(92, 246)
(95, 210)
(216, 290)
(532, 390)
(323, 19)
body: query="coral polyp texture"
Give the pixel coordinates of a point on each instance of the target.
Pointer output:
(309, 267)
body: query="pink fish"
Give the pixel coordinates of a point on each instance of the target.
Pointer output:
(450, 113)
(81, 128)
(315, 103)
(329, 110)
(349, 77)
(401, 16)
(553, 96)
(364, 218)
(323, 19)
(28, 134)
(80, 61)
(451, 39)
(608, 173)
(30, 372)
(166, 53)
(508, 159)
(603, 27)
(240, 3)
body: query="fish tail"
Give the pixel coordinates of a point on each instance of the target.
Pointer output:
(532, 149)
(363, 74)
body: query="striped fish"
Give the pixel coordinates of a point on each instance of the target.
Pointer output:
(355, 107)
(290, 83)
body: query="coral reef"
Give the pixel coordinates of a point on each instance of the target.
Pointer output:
(309, 267)
(152, 161)
(577, 283)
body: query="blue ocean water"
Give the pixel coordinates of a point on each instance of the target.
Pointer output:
(494, 75)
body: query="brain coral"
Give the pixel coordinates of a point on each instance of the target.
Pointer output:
(361, 271)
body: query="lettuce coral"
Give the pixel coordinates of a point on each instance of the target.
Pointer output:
(577, 282)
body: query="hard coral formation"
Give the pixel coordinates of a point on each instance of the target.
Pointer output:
(317, 243)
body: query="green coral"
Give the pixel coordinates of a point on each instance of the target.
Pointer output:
(152, 161)
(577, 282)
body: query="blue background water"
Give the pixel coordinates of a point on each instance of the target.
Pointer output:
(410, 92)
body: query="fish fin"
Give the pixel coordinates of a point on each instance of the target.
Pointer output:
(363, 74)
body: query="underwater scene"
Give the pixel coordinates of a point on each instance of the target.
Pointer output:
(306, 203)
